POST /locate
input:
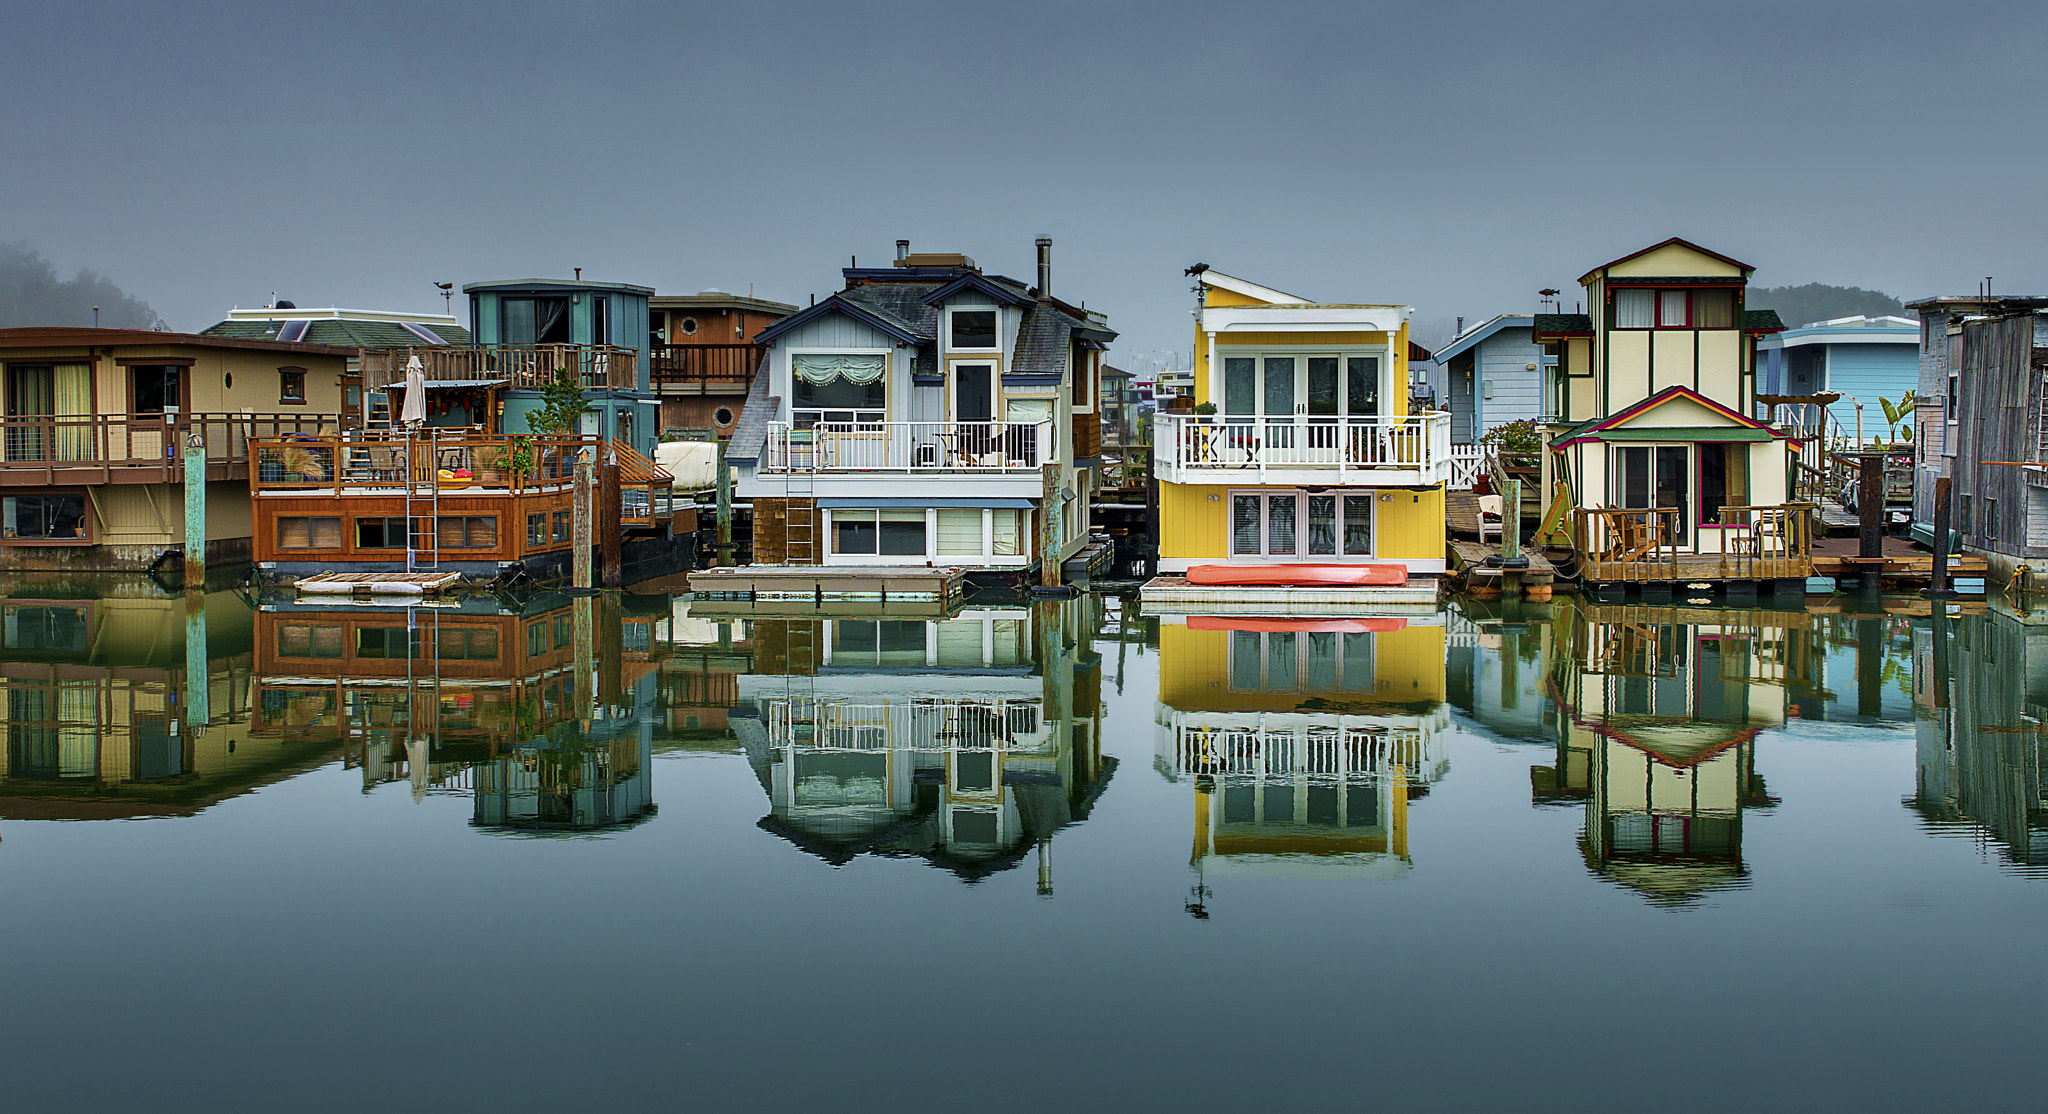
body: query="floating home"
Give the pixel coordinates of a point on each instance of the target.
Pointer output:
(1996, 446)
(1856, 360)
(704, 352)
(926, 414)
(1654, 467)
(1493, 374)
(100, 425)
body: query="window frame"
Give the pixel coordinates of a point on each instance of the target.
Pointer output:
(277, 533)
(184, 400)
(88, 532)
(995, 312)
(287, 377)
(1657, 293)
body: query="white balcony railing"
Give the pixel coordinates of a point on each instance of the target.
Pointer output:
(1413, 448)
(909, 447)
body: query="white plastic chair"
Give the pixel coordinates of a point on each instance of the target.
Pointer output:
(1489, 516)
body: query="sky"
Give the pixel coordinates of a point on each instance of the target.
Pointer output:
(1456, 157)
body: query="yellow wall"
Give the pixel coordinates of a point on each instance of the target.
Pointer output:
(1673, 260)
(1672, 366)
(1194, 671)
(1192, 525)
(1721, 367)
(1393, 402)
(255, 374)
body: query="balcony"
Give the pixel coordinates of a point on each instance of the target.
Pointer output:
(704, 369)
(925, 448)
(599, 367)
(146, 448)
(1396, 451)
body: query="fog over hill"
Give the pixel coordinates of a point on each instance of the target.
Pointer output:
(32, 293)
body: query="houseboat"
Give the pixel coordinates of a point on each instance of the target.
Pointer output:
(1666, 477)
(926, 414)
(704, 352)
(1301, 447)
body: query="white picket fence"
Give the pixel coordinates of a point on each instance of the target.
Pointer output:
(1467, 462)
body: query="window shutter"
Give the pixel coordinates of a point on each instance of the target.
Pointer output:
(960, 536)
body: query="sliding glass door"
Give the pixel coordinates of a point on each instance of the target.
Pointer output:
(1300, 401)
(1656, 477)
(1297, 525)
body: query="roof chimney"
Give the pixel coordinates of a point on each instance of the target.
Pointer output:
(1045, 266)
(902, 251)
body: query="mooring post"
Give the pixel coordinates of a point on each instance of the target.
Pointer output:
(586, 658)
(611, 509)
(724, 555)
(1937, 581)
(1870, 518)
(195, 511)
(580, 539)
(198, 696)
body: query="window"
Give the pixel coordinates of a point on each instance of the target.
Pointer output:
(974, 771)
(1007, 531)
(1724, 479)
(536, 530)
(1963, 515)
(43, 518)
(688, 326)
(832, 387)
(1306, 661)
(466, 645)
(600, 320)
(535, 320)
(380, 533)
(878, 642)
(309, 642)
(960, 532)
(563, 525)
(295, 532)
(892, 532)
(469, 531)
(537, 638)
(1713, 309)
(974, 827)
(156, 390)
(974, 328)
(1991, 516)
(1632, 309)
(291, 384)
(1636, 308)
(1671, 309)
(383, 642)
(62, 629)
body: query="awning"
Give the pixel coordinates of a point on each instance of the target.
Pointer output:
(943, 504)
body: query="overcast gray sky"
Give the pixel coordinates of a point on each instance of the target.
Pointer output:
(1454, 156)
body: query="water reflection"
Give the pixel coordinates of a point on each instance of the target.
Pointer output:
(1304, 741)
(967, 741)
(1982, 687)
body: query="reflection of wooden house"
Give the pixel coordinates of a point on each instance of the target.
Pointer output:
(1306, 740)
(967, 741)
(1660, 711)
(101, 714)
(1981, 744)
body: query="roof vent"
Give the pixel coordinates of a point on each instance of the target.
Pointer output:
(285, 305)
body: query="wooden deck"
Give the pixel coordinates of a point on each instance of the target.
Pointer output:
(1468, 565)
(1902, 561)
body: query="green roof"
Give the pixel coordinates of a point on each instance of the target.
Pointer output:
(1763, 321)
(1554, 324)
(354, 334)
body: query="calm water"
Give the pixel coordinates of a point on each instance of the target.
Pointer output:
(535, 853)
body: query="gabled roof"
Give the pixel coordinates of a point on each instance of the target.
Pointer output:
(1762, 321)
(1680, 241)
(1473, 336)
(872, 316)
(1248, 289)
(1004, 295)
(1607, 428)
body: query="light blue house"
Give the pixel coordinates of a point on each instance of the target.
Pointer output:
(600, 327)
(1862, 359)
(1493, 374)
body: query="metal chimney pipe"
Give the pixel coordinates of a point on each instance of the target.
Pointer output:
(1045, 266)
(902, 250)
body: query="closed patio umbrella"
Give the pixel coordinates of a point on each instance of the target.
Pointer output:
(415, 410)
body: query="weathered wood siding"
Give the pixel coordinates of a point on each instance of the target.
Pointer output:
(2001, 396)
(510, 511)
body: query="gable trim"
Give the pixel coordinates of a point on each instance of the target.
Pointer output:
(836, 304)
(1249, 289)
(1002, 294)
(1586, 278)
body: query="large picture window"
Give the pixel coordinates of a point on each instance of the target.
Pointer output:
(891, 532)
(535, 320)
(43, 518)
(838, 387)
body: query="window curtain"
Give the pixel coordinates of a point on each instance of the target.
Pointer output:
(1671, 307)
(547, 317)
(1632, 309)
(73, 387)
(824, 368)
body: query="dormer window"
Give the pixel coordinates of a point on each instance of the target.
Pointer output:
(974, 328)
(1637, 308)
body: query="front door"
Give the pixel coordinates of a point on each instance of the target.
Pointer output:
(974, 397)
(1296, 525)
(1657, 477)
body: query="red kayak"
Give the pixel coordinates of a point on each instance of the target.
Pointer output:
(1252, 576)
(1378, 624)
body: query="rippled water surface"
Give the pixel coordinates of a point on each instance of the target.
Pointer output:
(536, 852)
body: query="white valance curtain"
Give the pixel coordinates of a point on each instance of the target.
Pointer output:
(825, 367)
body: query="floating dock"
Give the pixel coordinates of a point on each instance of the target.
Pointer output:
(816, 584)
(377, 583)
(1173, 595)
(1470, 571)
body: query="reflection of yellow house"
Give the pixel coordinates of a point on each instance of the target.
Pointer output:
(1661, 709)
(1306, 739)
(1311, 453)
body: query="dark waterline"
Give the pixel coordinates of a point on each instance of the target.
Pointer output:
(526, 852)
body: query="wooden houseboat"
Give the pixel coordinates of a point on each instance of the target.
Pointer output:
(1656, 471)
(703, 355)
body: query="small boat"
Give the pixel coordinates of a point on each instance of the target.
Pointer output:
(1378, 624)
(1255, 576)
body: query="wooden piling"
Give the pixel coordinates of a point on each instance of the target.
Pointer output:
(579, 537)
(612, 511)
(1937, 579)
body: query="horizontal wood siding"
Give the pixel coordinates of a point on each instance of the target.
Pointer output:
(511, 511)
(1504, 360)
(1866, 373)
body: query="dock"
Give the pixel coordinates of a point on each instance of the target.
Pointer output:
(377, 583)
(818, 583)
(1901, 565)
(1470, 571)
(1173, 595)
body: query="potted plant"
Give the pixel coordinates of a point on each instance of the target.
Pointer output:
(520, 460)
(299, 460)
(1205, 408)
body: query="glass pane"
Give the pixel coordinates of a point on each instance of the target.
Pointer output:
(1322, 662)
(1244, 524)
(1322, 524)
(974, 771)
(1361, 806)
(1358, 525)
(1632, 309)
(1244, 660)
(1281, 666)
(1279, 802)
(1007, 532)
(1240, 385)
(1279, 386)
(903, 538)
(1671, 307)
(974, 329)
(1280, 524)
(1672, 488)
(853, 535)
(1362, 385)
(960, 533)
(1634, 467)
(1322, 386)
(1358, 663)
(1713, 309)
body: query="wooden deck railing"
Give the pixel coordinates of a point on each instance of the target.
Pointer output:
(704, 366)
(1639, 545)
(151, 442)
(519, 366)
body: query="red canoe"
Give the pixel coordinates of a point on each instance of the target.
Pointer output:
(1378, 623)
(1248, 576)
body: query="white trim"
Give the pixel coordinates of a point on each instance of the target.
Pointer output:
(1249, 289)
(335, 314)
(990, 308)
(1306, 319)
